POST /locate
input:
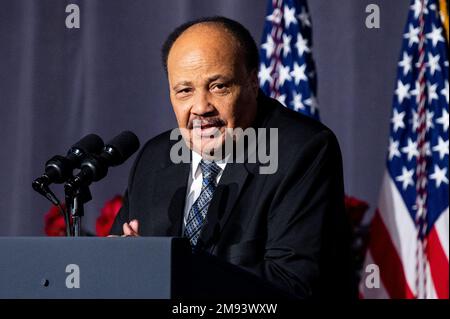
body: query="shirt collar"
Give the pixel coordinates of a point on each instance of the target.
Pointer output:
(196, 158)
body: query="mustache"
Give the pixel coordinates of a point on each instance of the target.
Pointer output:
(199, 122)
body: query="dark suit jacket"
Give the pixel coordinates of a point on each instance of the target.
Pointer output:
(289, 227)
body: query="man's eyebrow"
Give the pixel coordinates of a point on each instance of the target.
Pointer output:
(212, 78)
(182, 83)
(217, 77)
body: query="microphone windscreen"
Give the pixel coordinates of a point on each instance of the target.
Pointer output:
(91, 143)
(125, 144)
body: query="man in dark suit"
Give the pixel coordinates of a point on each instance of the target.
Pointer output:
(287, 226)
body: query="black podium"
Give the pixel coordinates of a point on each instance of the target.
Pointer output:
(112, 268)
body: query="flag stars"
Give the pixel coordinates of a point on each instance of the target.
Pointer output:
(312, 103)
(412, 35)
(427, 149)
(393, 149)
(286, 44)
(433, 63)
(443, 120)
(297, 102)
(406, 178)
(417, 7)
(411, 149)
(275, 17)
(419, 135)
(415, 120)
(406, 63)
(289, 16)
(429, 119)
(269, 46)
(397, 120)
(282, 99)
(416, 91)
(283, 71)
(402, 91)
(435, 35)
(439, 176)
(299, 73)
(264, 74)
(304, 18)
(441, 147)
(432, 94)
(302, 45)
(444, 91)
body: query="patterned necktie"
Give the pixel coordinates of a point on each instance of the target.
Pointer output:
(197, 214)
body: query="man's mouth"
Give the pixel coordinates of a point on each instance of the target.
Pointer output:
(207, 129)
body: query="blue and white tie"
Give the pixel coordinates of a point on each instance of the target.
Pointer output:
(197, 214)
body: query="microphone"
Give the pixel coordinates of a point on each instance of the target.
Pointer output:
(58, 169)
(95, 167)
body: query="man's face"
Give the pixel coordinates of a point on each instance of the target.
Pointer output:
(210, 87)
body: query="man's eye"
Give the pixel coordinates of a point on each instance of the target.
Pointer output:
(219, 87)
(184, 91)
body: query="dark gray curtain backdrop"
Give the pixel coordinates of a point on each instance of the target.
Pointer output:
(58, 84)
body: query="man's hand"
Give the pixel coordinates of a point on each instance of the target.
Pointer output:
(130, 229)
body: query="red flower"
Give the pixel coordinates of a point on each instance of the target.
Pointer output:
(54, 222)
(108, 214)
(355, 209)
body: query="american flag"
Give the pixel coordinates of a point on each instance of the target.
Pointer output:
(287, 70)
(410, 230)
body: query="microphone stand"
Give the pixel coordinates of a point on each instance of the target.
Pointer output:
(40, 185)
(75, 199)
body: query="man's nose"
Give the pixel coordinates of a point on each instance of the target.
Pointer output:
(202, 104)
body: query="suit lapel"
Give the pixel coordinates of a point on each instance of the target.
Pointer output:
(171, 190)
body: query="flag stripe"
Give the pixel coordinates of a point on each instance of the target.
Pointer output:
(439, 266)
(442, 226)
(400, 226)
(385, 256)
(371, 293)
(430, 290)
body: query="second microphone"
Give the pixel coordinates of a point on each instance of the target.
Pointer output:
(95, 167)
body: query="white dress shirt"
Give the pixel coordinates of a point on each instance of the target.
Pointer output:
(194, 186)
